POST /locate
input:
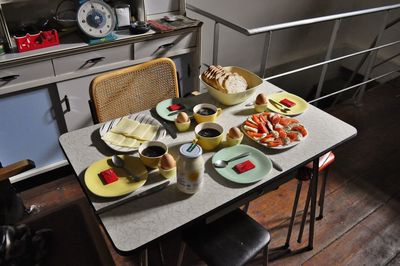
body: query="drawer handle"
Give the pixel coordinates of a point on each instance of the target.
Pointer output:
(167, 45)
(9, 78)
(95, 60)
(66, 101)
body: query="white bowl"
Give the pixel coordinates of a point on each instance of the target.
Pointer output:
(253, 82)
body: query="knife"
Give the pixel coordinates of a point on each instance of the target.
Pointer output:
(167, 126)
(185, 108)
(279, 106)
(139, 195)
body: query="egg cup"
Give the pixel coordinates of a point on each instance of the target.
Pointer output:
(260, 107)
(167, 173)
(233, 141)
(182, 126)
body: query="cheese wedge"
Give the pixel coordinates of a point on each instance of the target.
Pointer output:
(130, 143)
(121, 140)
(143, 132)
(125, 126)
(113, 138)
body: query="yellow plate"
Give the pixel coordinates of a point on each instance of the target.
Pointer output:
(300, 107)
(118, 188)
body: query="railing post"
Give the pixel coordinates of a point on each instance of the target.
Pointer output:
(216, 43)
(360, 93)
(264, 57)
(327, 58)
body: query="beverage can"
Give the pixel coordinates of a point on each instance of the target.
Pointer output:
(190, 168)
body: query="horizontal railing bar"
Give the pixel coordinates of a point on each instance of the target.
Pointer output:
(354, 86)
(218, 19)
(331, 60)
(386, 60)
(290, 24)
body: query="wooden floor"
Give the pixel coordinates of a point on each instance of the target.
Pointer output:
(361, 225)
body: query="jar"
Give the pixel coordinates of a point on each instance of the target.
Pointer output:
(190, 169)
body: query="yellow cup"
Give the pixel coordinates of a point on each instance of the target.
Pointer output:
(182, 126)
(200, 118)
(260, 107)
(232, 142)
(167, 173)
(211, 141)
(148, 159)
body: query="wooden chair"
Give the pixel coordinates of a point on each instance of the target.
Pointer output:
(132, 89)
(233, 240)
(305, 174)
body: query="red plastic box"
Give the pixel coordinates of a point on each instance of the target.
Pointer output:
(36, 41)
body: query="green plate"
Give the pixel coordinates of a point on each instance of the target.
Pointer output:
(300, 107)
(259, 159)
(162, 108)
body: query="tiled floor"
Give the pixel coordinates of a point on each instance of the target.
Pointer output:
(361, 225)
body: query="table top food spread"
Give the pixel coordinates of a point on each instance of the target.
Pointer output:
(132, 224)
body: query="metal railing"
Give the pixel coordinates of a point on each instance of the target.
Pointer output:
(336, 18)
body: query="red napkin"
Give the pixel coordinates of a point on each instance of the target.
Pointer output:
(174, 107)
(287, 102)
(244, 167)
(108, 176)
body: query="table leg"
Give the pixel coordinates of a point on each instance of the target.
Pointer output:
(314, 187)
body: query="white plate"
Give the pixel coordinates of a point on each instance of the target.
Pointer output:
(141, 118)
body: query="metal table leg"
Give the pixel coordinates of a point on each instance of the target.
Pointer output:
(314, 187)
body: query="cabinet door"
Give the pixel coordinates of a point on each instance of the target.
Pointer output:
(29, 129)
(74, 97)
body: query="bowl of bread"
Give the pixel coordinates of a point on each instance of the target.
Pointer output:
(230, 85)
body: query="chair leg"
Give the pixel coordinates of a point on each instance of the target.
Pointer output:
(181, 253)
(322, 195)
(265, 255)
(161, 253)
(303, 219)
(144, 260)
(294, 211)
(246, 207)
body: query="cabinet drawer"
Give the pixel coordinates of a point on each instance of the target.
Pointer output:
(25, 73)
(93, 60)
(162, 46)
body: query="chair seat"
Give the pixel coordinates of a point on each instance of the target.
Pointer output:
(231, 240)
(324, 161)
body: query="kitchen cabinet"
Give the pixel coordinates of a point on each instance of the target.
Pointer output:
(30, 129)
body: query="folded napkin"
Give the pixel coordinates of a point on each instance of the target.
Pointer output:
(244, 167)
(287, 102)
(108, 176)
(175, 107)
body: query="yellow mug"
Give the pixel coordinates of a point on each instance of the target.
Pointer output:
(151, 152)
(206, 112)
(209, 135)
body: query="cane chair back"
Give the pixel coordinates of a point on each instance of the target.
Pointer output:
(133, 89)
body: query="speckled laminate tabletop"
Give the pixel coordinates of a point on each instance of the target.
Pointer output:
(135, 223)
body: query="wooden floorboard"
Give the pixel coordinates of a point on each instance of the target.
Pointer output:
(361, 225)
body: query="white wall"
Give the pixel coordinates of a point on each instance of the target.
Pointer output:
(293, 47)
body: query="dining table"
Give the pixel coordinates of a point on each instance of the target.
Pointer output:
(132, 222)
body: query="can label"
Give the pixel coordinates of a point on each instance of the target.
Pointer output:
(189, 181)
